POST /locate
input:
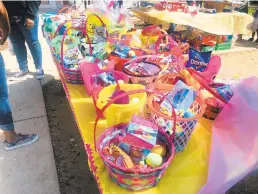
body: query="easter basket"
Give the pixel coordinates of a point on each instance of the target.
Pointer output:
(214, 104)
(90, 71)
(132, 179)
(74, 70)
(119, 112)
(184, 126)
(145, 69)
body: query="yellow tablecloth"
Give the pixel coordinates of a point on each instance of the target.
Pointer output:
(186, 174)
(220, 23)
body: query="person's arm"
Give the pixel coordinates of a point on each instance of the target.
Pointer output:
(4, 24)
(32, 8)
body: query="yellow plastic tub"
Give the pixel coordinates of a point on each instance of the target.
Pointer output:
(121, 113)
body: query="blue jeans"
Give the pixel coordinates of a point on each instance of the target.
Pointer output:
(6, 119)
(18, 36)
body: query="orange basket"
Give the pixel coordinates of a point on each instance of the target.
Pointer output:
(184, 126)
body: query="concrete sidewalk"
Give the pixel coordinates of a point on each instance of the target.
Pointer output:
(29, 170)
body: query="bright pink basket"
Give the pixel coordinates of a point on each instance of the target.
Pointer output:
(134, 179)
(129, 178)
(89, 70)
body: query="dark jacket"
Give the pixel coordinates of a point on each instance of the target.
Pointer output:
(24, 9)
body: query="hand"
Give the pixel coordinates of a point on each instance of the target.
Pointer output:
(3, 36)
(29, 23)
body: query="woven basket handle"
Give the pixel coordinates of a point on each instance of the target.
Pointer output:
(103, 24)
(198, 78)
(68, 9)
(63, 39)
(60, 26)
(170, 40)
(63, 9)
(101, 111)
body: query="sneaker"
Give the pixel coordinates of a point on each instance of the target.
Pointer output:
(21, 74)
(251, 39)
(22, 140)
(39, 74)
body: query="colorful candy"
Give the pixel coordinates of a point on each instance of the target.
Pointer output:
(126, 159)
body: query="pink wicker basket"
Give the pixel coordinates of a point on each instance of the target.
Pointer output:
(128, 178)
(134, 179)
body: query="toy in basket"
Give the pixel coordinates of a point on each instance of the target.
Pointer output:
(169, 46)
(95, 45)
(149, 36)
(218, 94)
(166, 81)
(145, 69)
(95, 19)
(189, 108)
(122, 54)
(120, 111)
(96, 78)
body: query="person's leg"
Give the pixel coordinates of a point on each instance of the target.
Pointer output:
(172, 28)
(31, 38)
(256, 36)
(12, 140)
(252, 39)
(18, 41)
(6, 119)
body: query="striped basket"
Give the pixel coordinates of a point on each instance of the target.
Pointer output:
(134, 179)
(130, 178)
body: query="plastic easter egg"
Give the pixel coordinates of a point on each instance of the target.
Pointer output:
(131, 54)
(135, 100)
(188, 115)
(120, 81)
(154, 160)
(159, 149)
